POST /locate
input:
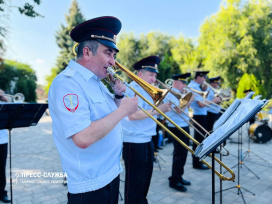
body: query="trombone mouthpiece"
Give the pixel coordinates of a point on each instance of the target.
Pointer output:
(110, 70)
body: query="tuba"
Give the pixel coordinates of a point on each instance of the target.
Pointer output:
(158, 96)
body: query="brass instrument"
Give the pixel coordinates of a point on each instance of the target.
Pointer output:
(204, 96)
(181, 106)
(224, 94)
(158, 96)
(183, 98)
(169, 83)
(16, 98)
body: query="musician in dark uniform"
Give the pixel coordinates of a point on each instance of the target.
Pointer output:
(200, 112)
(212, 110)
(176, 180)
(138, 129)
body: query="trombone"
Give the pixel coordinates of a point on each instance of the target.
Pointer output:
(224, 94)
(205, 99)
(16, 98)
(203, 94)
(157, 96)
(182, 99)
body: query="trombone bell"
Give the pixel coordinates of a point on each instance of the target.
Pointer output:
(204, 94)
(17, 98)
(185, 100)
(156, 93)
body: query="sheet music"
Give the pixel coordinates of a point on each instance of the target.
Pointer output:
(245, 110)
(227, 114)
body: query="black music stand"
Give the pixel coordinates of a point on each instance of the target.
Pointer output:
(241, 158)
(247, 153)
(15, 115)
(239, 116)
(240, 162)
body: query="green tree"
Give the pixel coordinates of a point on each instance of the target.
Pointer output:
(237, 40)
(167, 68)
(129, 50)
(64, 42)
(17, 77)
(184, 54)
(26, 9)
(133, 49)
(154, 43)
(249, 82)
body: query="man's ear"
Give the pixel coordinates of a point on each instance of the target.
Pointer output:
(87, 53)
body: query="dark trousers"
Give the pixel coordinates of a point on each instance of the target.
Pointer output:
(202, 120)
(138, 159)
(3, 159)
(211, 118)
(179, 154)
(106, 195)
(155, 140)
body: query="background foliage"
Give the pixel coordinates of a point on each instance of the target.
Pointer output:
(64, 42)
(235, 42)
(17, 77)
(6, 7)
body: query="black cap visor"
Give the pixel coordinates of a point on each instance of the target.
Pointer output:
(152, 70)
(108, 44)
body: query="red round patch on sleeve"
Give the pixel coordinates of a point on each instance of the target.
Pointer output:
(71, 102)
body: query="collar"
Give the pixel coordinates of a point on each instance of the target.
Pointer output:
(83, 71)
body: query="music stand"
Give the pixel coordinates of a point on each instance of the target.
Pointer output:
(247, 152)
(156, 159)
(15, 115)
(240, 115)
(240, 159)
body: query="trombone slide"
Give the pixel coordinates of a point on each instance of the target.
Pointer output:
(112, 72)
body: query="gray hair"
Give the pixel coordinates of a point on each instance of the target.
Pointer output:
(91, 44)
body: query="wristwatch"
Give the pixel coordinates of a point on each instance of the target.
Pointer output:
(118, 96)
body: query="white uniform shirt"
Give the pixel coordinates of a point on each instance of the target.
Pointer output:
(197, 110)
(173, 115)
(210, 97)
(3, 134)
(139, 131)
(76, 98)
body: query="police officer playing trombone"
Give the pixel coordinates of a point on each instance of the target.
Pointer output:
(212, 110)
(86, 116)
(199, 106)
(138, 129)
(176, 180)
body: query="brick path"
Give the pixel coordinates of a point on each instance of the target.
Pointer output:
(33, 151)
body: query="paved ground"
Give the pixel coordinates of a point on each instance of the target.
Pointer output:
(34, 154)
